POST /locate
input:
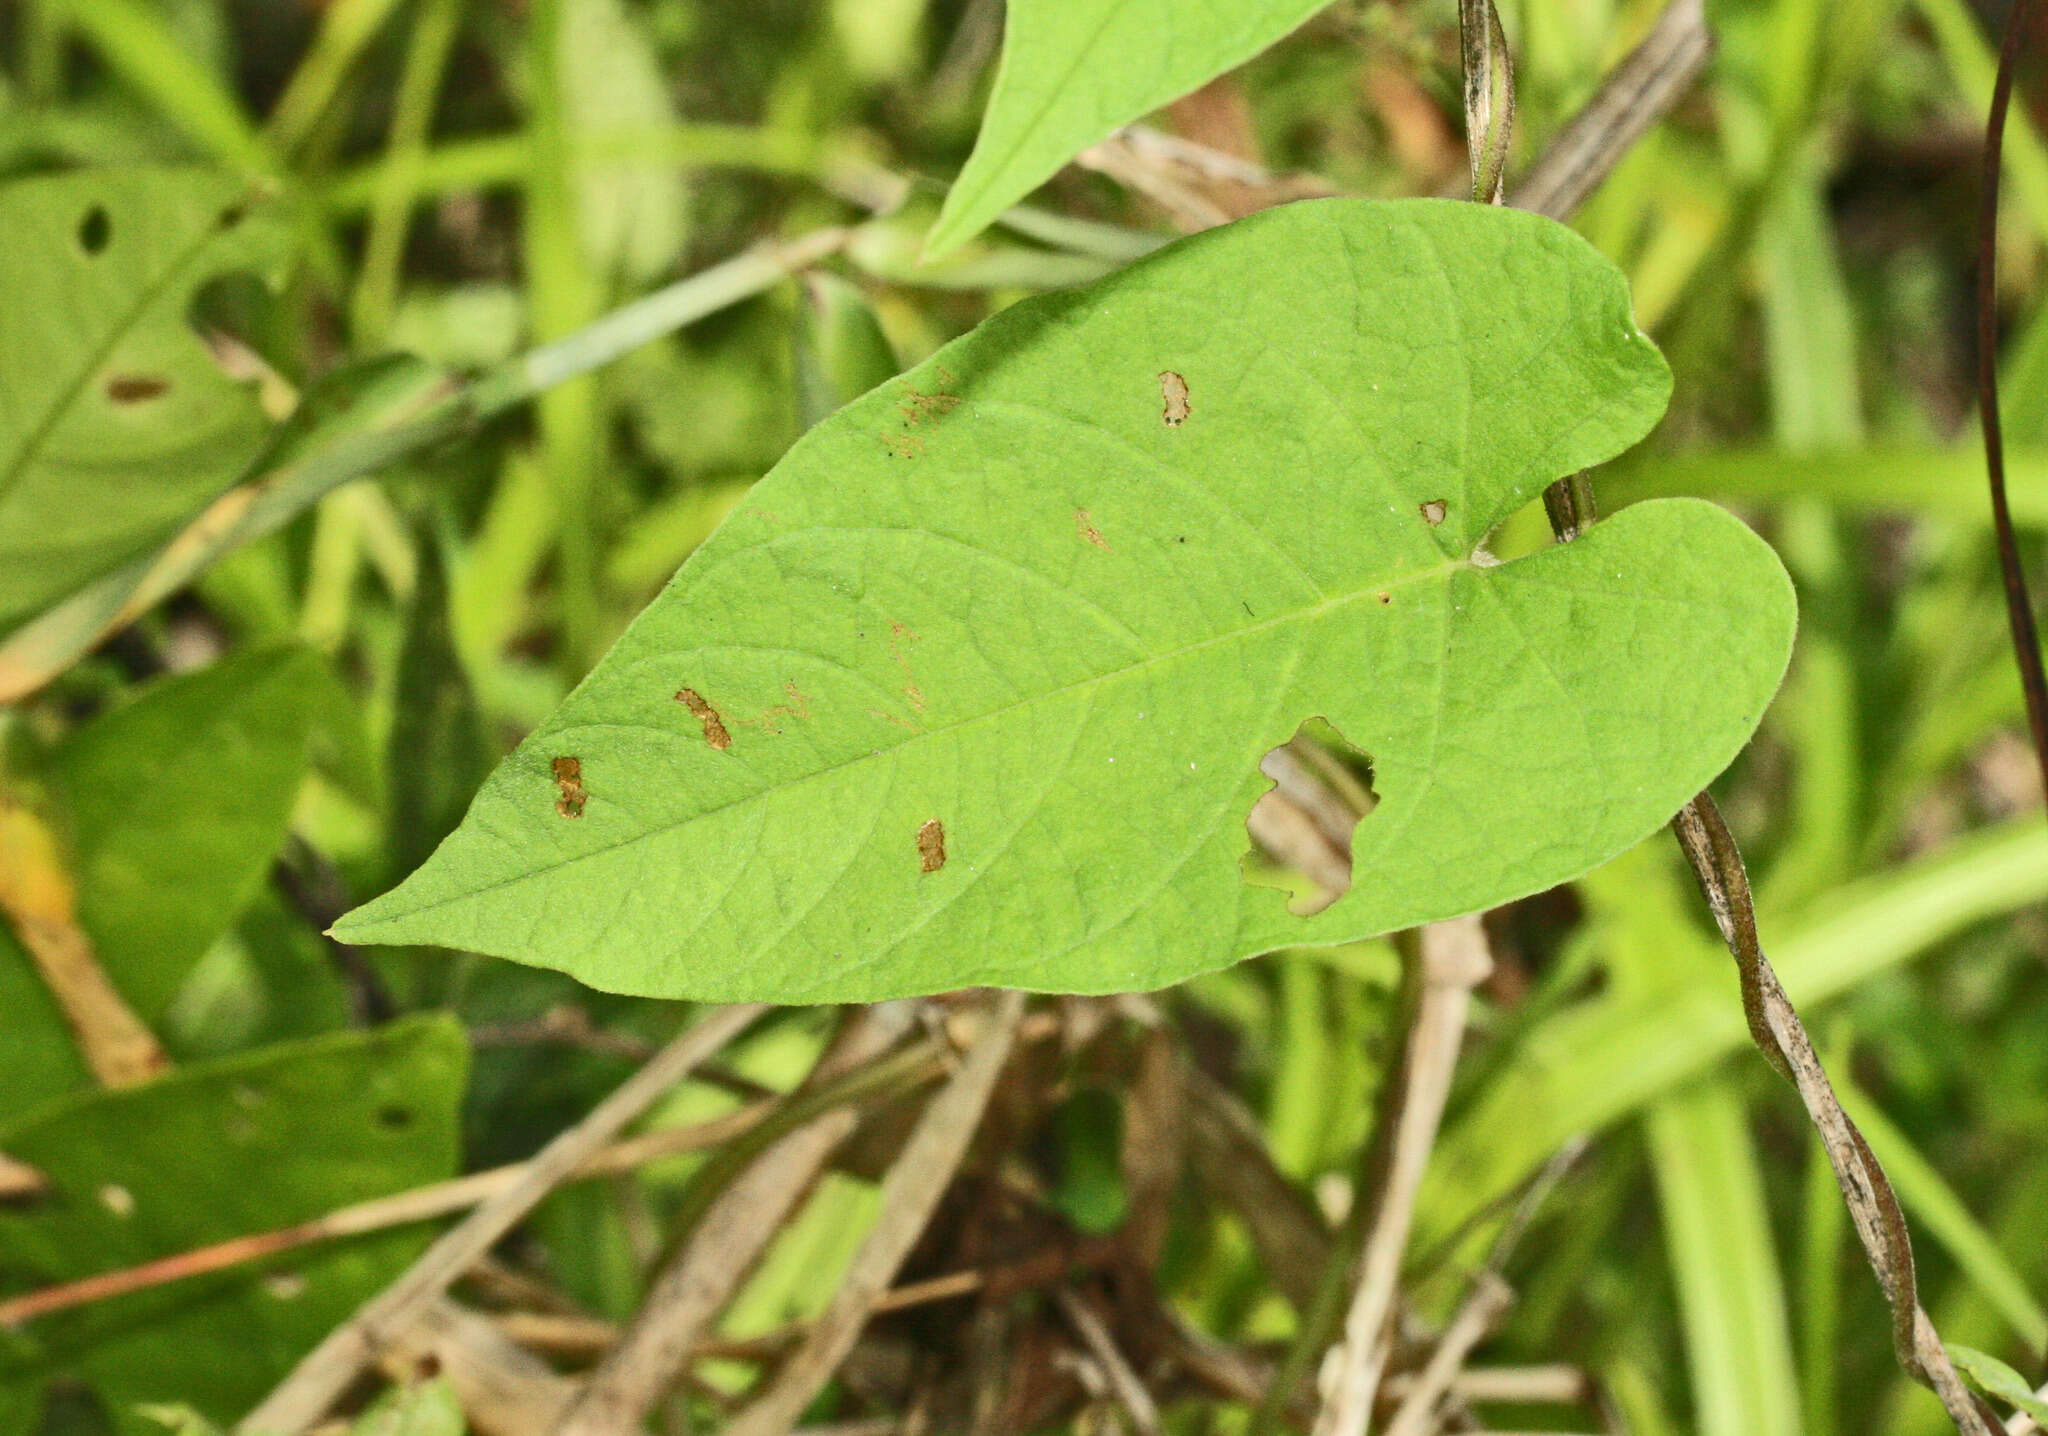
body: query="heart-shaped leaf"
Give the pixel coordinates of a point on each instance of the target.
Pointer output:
(1074, 70)
(116, 425)
(973, 688)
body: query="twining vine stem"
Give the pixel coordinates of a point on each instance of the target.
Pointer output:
(1717, 863)
(2019, 608)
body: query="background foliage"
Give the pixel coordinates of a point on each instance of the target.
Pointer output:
(296, 723)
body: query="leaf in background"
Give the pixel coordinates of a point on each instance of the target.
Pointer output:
(176, 804)
(39, 1058)
(974, 687)
(116, 425)
(633, 213)
(230, 1148)
(1074, 71)
(839, 351)
(1993, 1377)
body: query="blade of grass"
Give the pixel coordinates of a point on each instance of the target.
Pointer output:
(133, 41)
(1886, 478)
(1973, 65)
(346, 29)
(563, 298)
(412, 116)
(1731, 1295)
(1599, 1062)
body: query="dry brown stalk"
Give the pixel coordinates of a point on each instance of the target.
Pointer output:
(1488, 1302)
(304, 1396)
(1130, 1392)
(1453, 960)
(910, 1193)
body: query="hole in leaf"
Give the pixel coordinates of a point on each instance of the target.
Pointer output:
(1301, 829)
(95, 230)
(394, 1118)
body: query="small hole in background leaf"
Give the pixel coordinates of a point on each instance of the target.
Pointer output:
(394, 1118)
(233, 215)
(1301, 830)
(95, 231)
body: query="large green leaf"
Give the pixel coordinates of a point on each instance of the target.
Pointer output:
(230, 1148)
(116, 424)
(1052, 594)
(1073, 71)
(175, 805)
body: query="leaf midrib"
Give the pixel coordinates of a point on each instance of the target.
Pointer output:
(1313, 612)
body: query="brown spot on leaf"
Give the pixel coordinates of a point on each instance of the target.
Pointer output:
(770, 721)
(931, 845)
(1433, 512)
(569, 779)
(903, 446)
(1174, 390)
(921, 408)
(1386, 597)
(1085, 527)
(136, 388)
(714, 726)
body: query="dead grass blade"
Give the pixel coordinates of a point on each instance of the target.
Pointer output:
(1453, 960)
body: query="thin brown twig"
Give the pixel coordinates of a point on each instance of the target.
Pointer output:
(1476, 1316)
(304, 1396)
(910, 1193)
(1130, 1392)
(2019, 606)
(1453, 960)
